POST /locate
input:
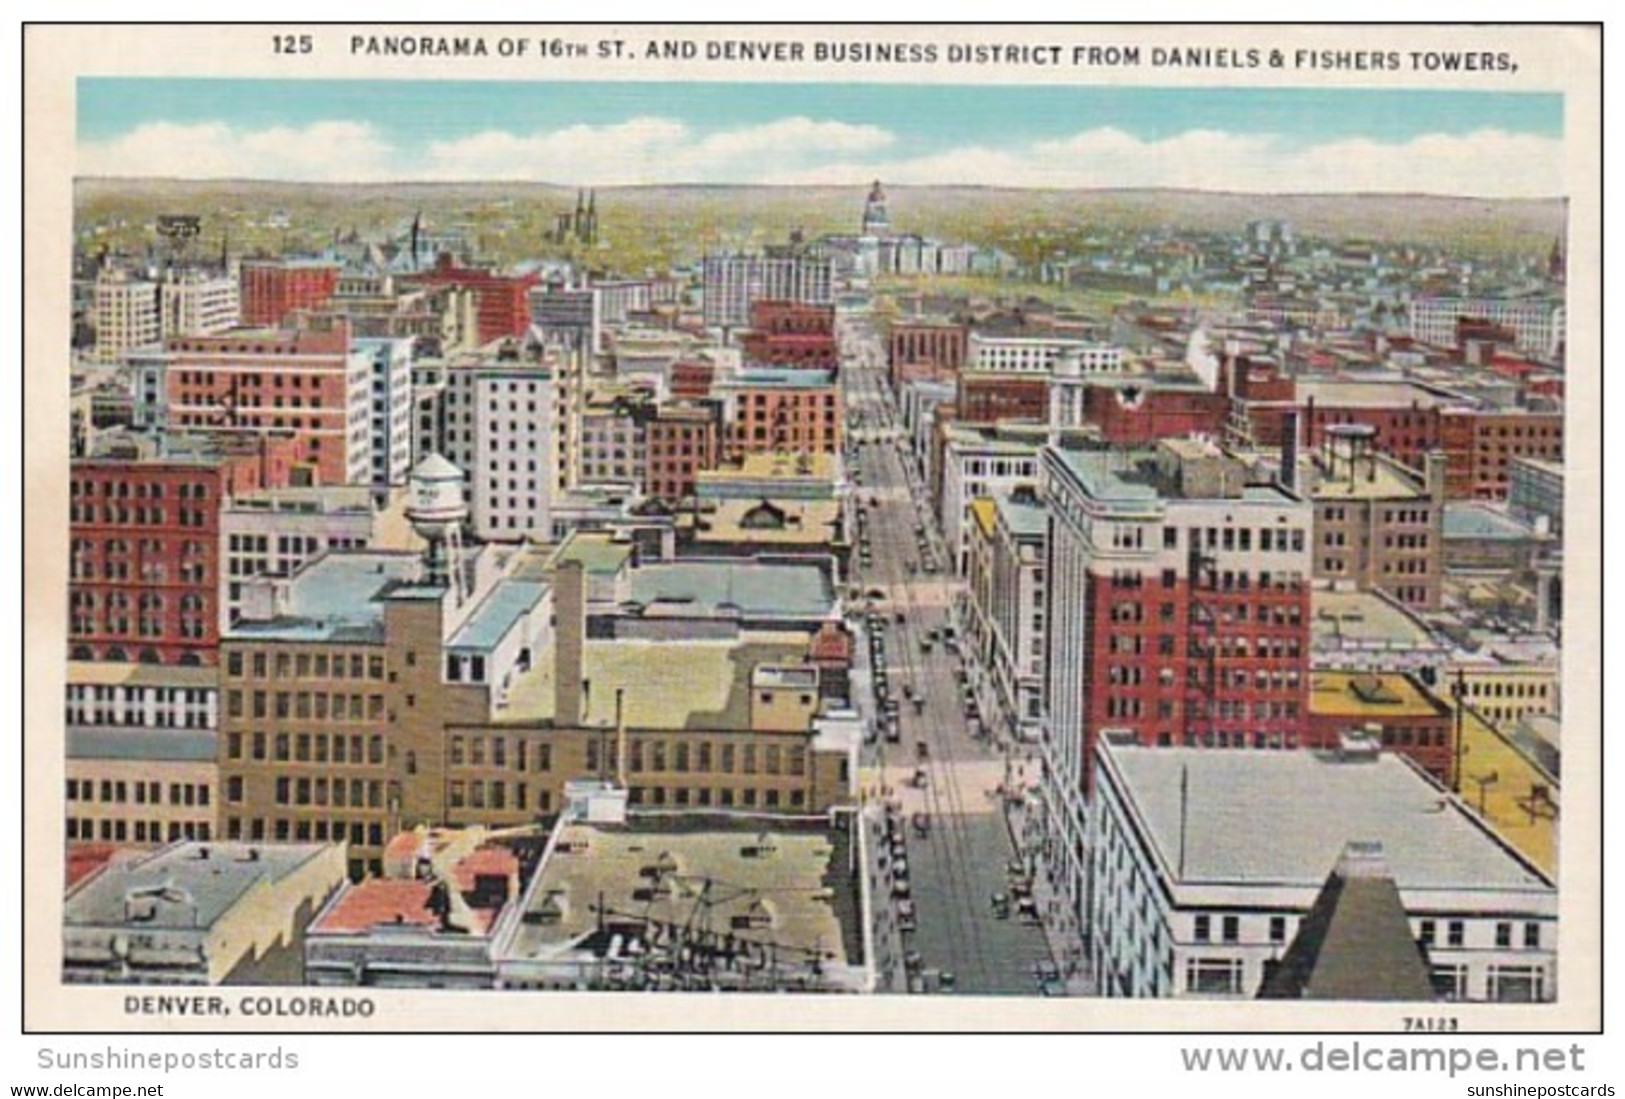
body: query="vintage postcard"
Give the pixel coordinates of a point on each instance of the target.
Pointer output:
(958, 527)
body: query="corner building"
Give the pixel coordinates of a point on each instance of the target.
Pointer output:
(1178, 616)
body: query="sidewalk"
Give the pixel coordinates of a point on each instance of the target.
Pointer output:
(1060, 926)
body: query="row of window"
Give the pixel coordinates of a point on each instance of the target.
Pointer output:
(123, 489)
(140, 831)
(281, 829)
(353, 793)
(125, 792)
(725, 797)
(353, 749)
(306, 665)
(305, 705)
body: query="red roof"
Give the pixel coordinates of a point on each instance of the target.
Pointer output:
(379, 901)
(485, 862)
(84, 859)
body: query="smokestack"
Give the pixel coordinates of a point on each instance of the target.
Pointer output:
(1289, 450)
(570, 610)
(620, 736)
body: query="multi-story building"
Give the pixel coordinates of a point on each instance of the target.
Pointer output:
(566, 315)
(198, 303)
(991, 353)
(733, 282)
(371, 693)
(144, 529)
(1394, 709)
(273, 288)
(786, 333)
(275, 532)
(614, 437)
(1483, 444)
(314, 385)
(198, 913)
(391, 415)
(140, 787)
(1184, 904)
(683, 439)
(991, 398)
(978, 463)
(1005, 609)
(1378, 525)
(938, 346)
(141, 696)
(1537, 323)
(622, 298)
(501, 428)
(502, 302)
(124, 313)
(1178, 615)
(781, 409)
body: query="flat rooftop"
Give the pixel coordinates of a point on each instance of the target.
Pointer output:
(688, 684)
(760, 881)
(184, 886)
(756, 589)
(91, 673)
(336, 597)
(1473, 521)
(770, 522)
(1025, 519)
(506, 603)
(1386, 393)
(1508, 796)
(1370, 696)
(1363, 618)
(1283, 818)
(1373, 479)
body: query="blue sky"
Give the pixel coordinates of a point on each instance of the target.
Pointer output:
(609, 133)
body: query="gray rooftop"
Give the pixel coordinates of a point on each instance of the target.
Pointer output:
(1478, 521)
(177, 888)
(336, 598)
(510, 601)
(757, 589)
(1284, 818)
(1102, 474)
(1025, 520)
(170, 745)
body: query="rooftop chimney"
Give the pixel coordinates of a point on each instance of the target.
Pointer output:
(1289, 450)
(570, 611)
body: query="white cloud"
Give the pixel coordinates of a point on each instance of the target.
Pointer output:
(801, 150)
(649, 150)
(1487, 163)
(333, 151)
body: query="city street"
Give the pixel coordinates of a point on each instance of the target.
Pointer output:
(947, 778)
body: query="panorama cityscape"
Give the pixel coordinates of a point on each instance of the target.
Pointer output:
(860, 588)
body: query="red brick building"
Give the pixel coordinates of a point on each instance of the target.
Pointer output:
(304, 383)
(683, 439)
(941, 347)
(145, 557)
(691, 381)
(1400, 713)
(788, 333)
(1140, 413)
(271, 289)
(1482, 444)
(1179, 603)
(781, 409)
(502, 302)
(989, 398)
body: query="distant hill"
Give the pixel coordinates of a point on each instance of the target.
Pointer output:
(658, 224)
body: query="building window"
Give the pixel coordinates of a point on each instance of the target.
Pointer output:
(1531, 935)
(1450, 982)
(1516, 984)
(1203, 929)
(1456, 933)
(1503, 935)
(1213, 976)
(1277, 929)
